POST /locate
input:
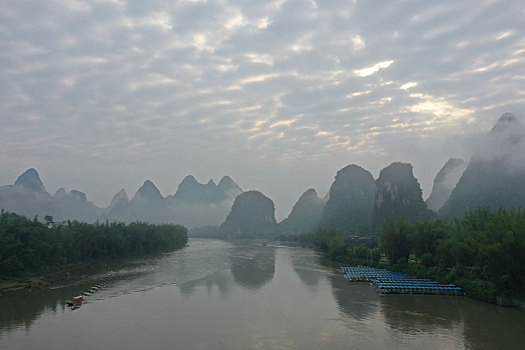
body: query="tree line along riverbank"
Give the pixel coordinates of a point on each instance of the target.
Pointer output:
(483, 253)
(29, 248)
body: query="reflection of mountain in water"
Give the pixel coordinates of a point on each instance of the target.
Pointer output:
(307, 276)
(306, 267)
(252, 267)
(218, 278)
(357, 300)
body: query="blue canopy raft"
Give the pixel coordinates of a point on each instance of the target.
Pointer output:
(389, 282)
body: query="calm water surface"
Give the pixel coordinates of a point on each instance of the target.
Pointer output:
(242, 295)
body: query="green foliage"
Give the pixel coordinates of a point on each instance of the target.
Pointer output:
(336, 246)
(27, 246)
(394, 239)
(484, 253)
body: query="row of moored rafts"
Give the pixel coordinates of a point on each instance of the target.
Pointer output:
(389, 282)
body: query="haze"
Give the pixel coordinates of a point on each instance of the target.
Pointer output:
(102, 95)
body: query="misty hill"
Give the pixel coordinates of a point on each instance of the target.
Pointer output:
(193, 205)
(30, 180)
(197, 205)
(350, 206)
(191, 191)
(445, 181)
(28, 197)
(252, 215)
(120, 196)
(75, 206)
(119, 209)
(148, 205)
(495, 175)
(399, 195)
(305, 214)
(229, 187)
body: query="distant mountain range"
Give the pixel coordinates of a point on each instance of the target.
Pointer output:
(356, 203)
(493, 178)
(193, 204)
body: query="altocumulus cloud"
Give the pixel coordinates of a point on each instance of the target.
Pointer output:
(279, 95)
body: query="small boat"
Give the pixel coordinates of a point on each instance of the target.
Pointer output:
(77, 301)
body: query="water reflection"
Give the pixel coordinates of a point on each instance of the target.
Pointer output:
(252, 266)
(309, 277)
(492, 327)
(306, 266)
(420, 313)
(190, 299)
(358, 301)
(483, 326)
(218, 278)
(21, 310)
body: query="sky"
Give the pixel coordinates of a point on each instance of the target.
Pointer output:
(101, 95)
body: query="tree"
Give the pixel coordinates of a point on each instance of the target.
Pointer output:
(394, 240)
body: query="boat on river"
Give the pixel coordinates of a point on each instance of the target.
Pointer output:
(76, 301)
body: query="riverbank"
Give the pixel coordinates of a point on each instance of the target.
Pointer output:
(41, 280)
(29, 249)
(22, 284)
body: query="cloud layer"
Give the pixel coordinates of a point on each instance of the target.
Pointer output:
(279, 95)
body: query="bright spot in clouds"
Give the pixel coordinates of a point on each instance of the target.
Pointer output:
(408, 85)
(359, 43)
(364, 72)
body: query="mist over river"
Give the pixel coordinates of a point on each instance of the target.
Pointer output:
(243, 295)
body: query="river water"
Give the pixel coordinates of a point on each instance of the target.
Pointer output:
(243, 295)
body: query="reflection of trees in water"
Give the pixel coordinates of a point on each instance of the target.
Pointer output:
(252, 266)
(21, 309)
(420, 313)
(218, 278)
(356, 300)
(484, 326)
(488, 326)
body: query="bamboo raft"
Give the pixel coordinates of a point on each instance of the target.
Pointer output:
(389, 282)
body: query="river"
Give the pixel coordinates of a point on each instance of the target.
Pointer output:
(243, 295)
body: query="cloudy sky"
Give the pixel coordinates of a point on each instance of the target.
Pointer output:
(104, 94)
